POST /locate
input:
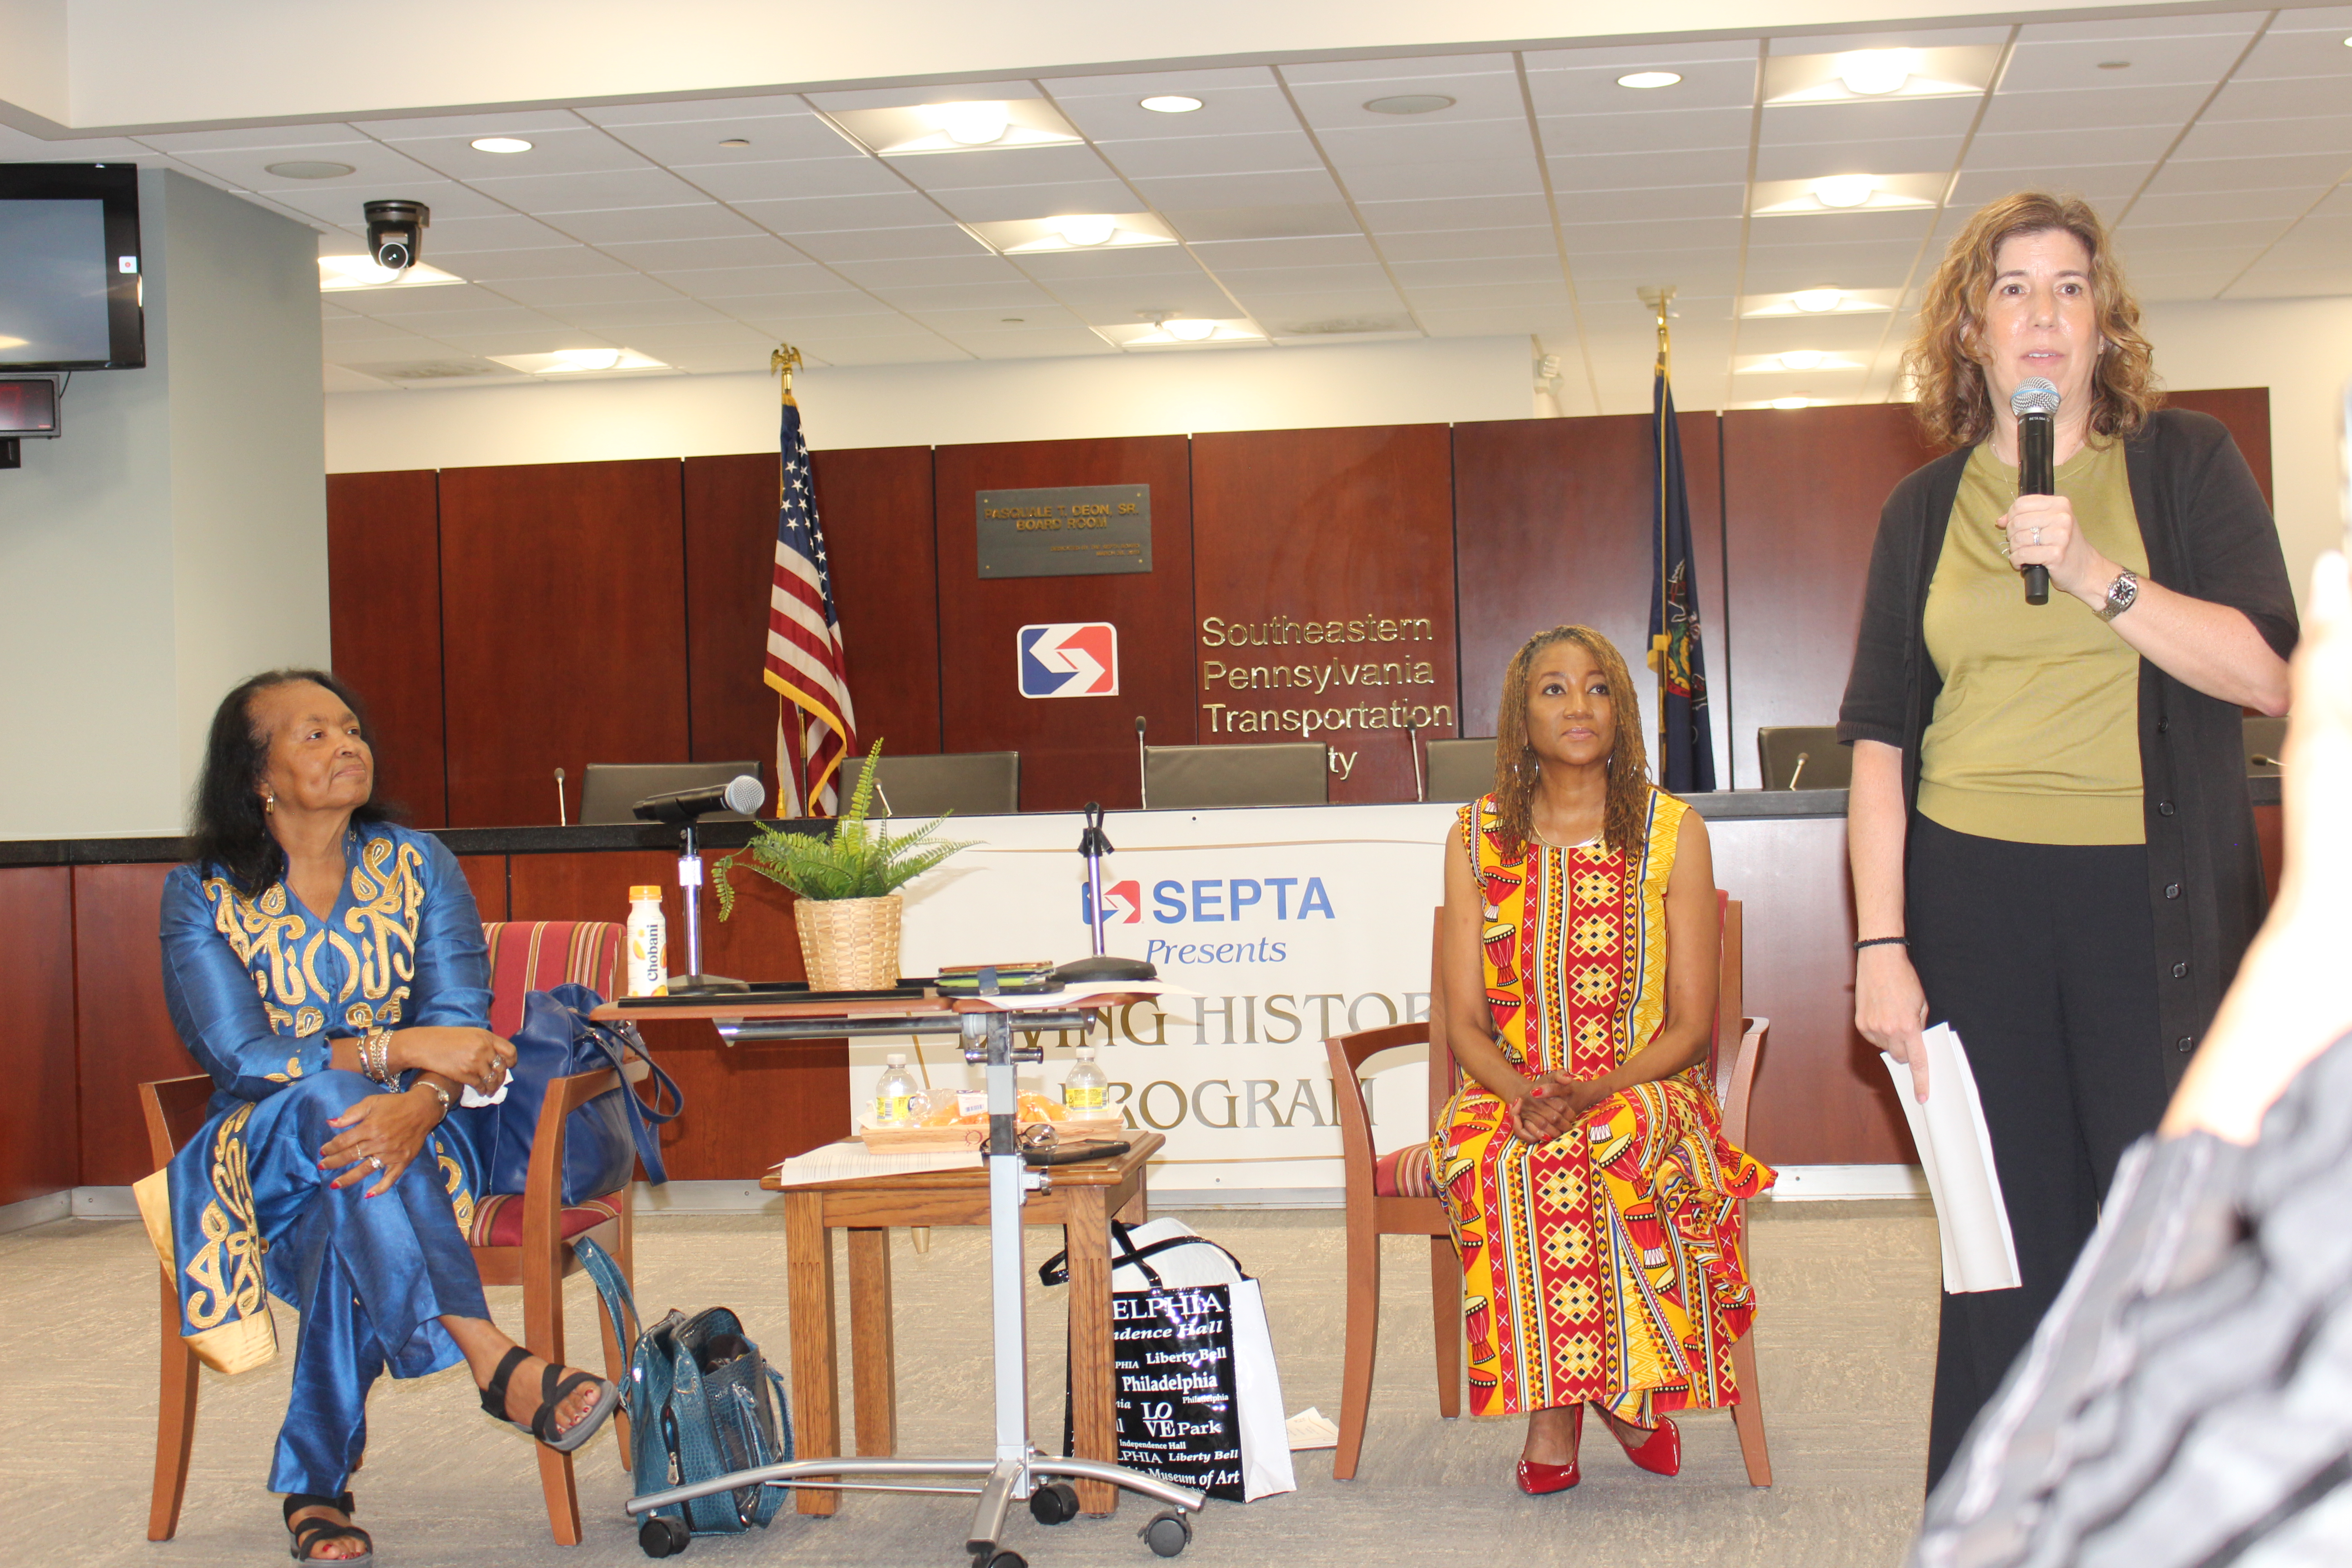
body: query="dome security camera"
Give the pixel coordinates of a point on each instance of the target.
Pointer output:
(395, 232)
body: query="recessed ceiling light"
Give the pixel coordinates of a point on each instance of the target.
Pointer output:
(1802, 359)
(1792, 402)
(305, 169)
(1092, 228)
(1171, 103)
(500, 144)
(1843, 190)
(1816, 299)
(736, 142)
(1410, 103)
(1650, 79)
(2117, 65)
(973, 125)
(1872, 72)
(572, 361)
(1189, 331)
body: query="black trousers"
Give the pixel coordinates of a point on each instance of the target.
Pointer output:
(2042, 959)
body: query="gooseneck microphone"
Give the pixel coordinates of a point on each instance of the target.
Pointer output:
(1143, 765)
(2035, 401)
(742, 794)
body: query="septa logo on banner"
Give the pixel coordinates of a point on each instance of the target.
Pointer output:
(1069, 658)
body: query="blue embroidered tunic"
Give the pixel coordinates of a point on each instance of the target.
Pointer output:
(259, 987)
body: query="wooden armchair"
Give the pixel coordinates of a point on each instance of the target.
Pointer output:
(518, 1239)
(1396, 1194)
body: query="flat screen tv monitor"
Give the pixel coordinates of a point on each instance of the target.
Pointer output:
(69, 267)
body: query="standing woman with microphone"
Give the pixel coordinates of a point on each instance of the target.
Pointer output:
(2051, 843)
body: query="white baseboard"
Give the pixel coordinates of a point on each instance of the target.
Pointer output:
(1811, 1184)
(1798, 1184)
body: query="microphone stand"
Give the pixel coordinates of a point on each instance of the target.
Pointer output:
(694, 983)
(1143, 765)
(1094, 843)
(1412, 745)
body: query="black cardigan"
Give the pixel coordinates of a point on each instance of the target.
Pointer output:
(2207, 535)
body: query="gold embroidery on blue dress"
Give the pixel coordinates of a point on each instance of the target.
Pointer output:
(227, 1270)
(453, 1177)
(261, 927)
(387, 893)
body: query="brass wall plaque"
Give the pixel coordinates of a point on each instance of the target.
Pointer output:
(1069, 530)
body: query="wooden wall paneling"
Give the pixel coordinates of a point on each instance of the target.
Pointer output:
(40, 1141)
(125, 1037)
(486, 877)
(1802, 490)
(2246, 410)
(747, 1107)
(1315, 526)
(563, 617)
(875, 505)
(1822, 1097)
(1073, 749)
(1552, 522)
(383, 597)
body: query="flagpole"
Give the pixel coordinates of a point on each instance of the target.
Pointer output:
(1658, 300)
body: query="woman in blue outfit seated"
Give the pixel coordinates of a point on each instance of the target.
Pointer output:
(327, 969)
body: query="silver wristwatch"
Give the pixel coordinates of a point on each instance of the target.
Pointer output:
(2122, 593)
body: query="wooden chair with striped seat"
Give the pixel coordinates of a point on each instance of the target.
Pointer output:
(1396, 1194)
(518, 1239)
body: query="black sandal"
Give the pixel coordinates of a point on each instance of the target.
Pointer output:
(555, 1388)
(311, 1532)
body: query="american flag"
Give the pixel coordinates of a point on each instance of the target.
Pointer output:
(814, 725)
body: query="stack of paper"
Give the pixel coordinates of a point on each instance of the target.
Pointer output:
(846, 1160)
(1955, 1152)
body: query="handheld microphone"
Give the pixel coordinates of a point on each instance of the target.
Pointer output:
(562, 818)
(2035, 401)
(742, 794)
(1142, 768)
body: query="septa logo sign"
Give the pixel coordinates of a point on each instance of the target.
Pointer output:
(1122, 904)
(1069, 658)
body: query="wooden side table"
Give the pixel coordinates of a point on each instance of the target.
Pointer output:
(1083, 1199)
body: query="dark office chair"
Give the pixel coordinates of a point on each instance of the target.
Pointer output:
(969, 784)
(1460, 770)
(1803, 756)
(1289, 773)
(2265, 738)
(611, 788)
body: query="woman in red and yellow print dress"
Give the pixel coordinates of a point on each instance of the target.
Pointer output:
(1583, 1161)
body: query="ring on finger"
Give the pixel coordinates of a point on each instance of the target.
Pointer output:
(375, 1162)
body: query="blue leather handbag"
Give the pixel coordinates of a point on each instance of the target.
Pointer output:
(602, 1140)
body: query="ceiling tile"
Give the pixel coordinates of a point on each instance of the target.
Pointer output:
(2284, 54)
(766, 309)
(1227, 108)
(557, 292)
(471, 123)
(691, 110)
(2316, 171)
(617, 318)
(728, 282)
(544, 193)
(796, 136)
(2134, 28)
(1414, 276)
(1005, 296)
(1550, 297)
(1641, 170)
(274, 137)
(581, 150)
(792, 179)
(1889, 38)
(2300, 97)
(1248, 280)
(664, 255)
(1820, 160)
(1433, 140)
(2106, 183)
(1589, 87)
(924, 349)
(340, 205)
(2258, 138)
(2049, 113)
(438, 300)
(1668, 202)
(825, 214)
(372, 163)
(1011, 88)
(1005, 167)
(1238, 190)
(1867, 124)
(704, 220)
(976, 266)
(997, 204)
(1337, 310)
(1585, 238)
(455, 235)
(1530, 239)
(1504, 321)
(2072, 65)
(1037, 315)
(2263, 283)
(1333, 251)
(2140, 145)
(1566, 136)
(1454, 212)
(563, 261)
(1031, 342)
(1516, 176)
(1061, 269)
(1698, 274)
(1251, 153)
(1118, 304)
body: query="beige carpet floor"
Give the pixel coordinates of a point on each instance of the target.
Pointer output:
(1845, 1345)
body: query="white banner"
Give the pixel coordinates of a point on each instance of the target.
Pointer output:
(1292, 924)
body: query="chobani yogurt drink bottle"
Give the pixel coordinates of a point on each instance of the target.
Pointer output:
(649, 961)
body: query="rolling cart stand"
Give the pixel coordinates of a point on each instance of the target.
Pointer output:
(1017, 1471)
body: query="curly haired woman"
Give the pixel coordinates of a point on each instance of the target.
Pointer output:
(1591, 1195)
(2052, 842)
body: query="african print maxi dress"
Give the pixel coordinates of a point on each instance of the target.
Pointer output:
(1604, 1265)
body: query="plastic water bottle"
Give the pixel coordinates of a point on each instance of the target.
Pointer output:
(894, 1095)
(648, 971)
(1084, 1092)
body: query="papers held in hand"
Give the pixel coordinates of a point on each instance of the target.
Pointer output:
(1955, 1152)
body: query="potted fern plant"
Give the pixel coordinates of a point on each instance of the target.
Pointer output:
(848, 884)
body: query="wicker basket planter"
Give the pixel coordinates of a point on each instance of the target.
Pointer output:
(849, 944)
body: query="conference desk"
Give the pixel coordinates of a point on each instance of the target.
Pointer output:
(82, 1020)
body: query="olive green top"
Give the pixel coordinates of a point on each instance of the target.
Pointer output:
(2035, 737)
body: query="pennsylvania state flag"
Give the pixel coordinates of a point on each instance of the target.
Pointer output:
(1685, 749)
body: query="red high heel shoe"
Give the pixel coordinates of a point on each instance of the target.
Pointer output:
(1540, 1480)
(1660, 1453)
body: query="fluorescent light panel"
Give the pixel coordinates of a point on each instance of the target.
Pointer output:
(1956, 72)
(1849, 301)
(1885, 193)
(1148, 335)
(1071, 231)
(577, 361)
(967, 126)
